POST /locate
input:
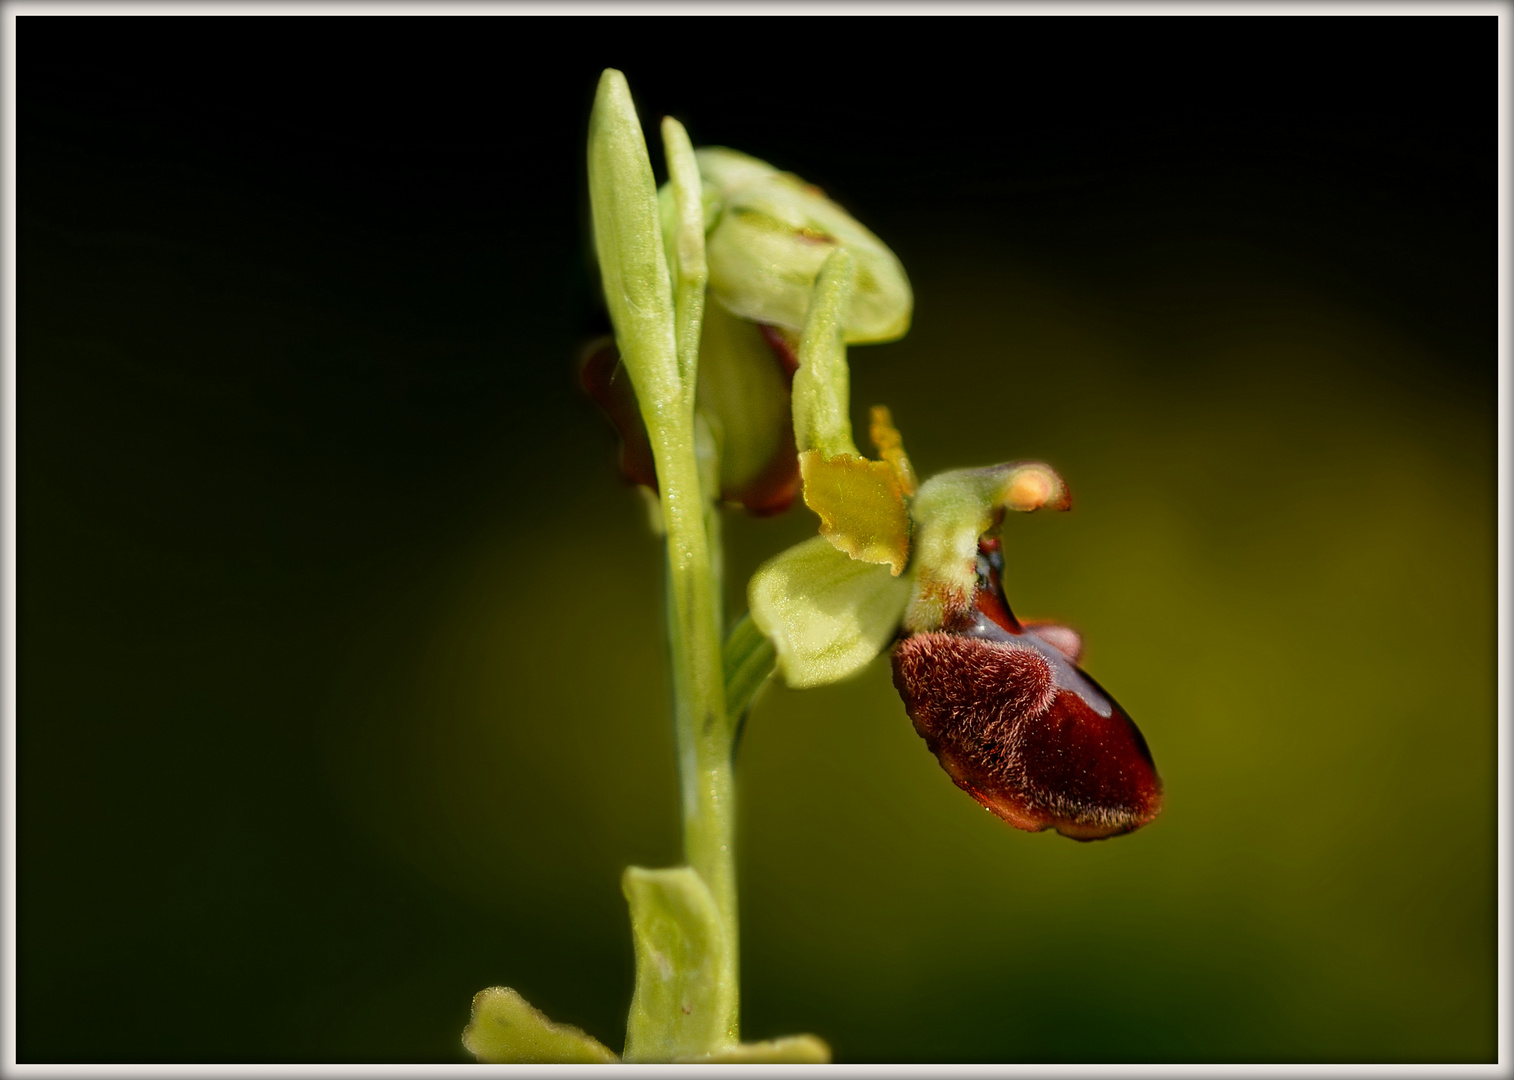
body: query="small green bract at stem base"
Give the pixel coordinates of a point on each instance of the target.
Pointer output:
(684, 994)
(505, 1030)
(789, 1050)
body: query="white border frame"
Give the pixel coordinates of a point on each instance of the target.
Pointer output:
(9, 11)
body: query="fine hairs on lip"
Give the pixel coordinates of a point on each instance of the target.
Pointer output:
(1018, 726)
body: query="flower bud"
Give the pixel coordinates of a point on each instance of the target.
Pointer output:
(769, 233)
(1019, 726)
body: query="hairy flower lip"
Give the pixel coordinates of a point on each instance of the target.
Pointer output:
(1017, 725)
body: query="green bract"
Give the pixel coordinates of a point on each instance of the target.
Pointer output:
(683, 1006)
(789, 1050)
(633, 264)
(684, 972)
(682, 967)
(507, 1031)
(770, 235)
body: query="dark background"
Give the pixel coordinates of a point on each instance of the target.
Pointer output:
(340, 687)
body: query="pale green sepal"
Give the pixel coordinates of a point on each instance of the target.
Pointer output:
(951, 511)
(682, 215)
(684, 1002)
(789, 1050)
(822, 385)
(749, 660)
(632, 261)
(770, 236)
(505, 1030)
(827, 614)
(730, 170)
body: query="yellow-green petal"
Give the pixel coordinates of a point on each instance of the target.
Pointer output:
(861, 507)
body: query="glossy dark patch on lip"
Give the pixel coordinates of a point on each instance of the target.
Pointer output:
(1016, 724)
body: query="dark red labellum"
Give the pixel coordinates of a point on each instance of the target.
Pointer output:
(1019, 726)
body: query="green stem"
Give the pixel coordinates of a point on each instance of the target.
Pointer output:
(702, 732)
(654, 272)
(695, 566)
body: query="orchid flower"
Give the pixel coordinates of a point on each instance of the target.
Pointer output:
(1003, 705)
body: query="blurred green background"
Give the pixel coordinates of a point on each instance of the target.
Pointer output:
(341, 686)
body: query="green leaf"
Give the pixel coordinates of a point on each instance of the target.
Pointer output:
(771, 234)
(506, 1030)
(749, 660)
(822, 385)
(632, 261)
(789, 1050)
(827, 614)
(683, 1005)
(950, 512)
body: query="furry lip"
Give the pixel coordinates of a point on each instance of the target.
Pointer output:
(1019, 726)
